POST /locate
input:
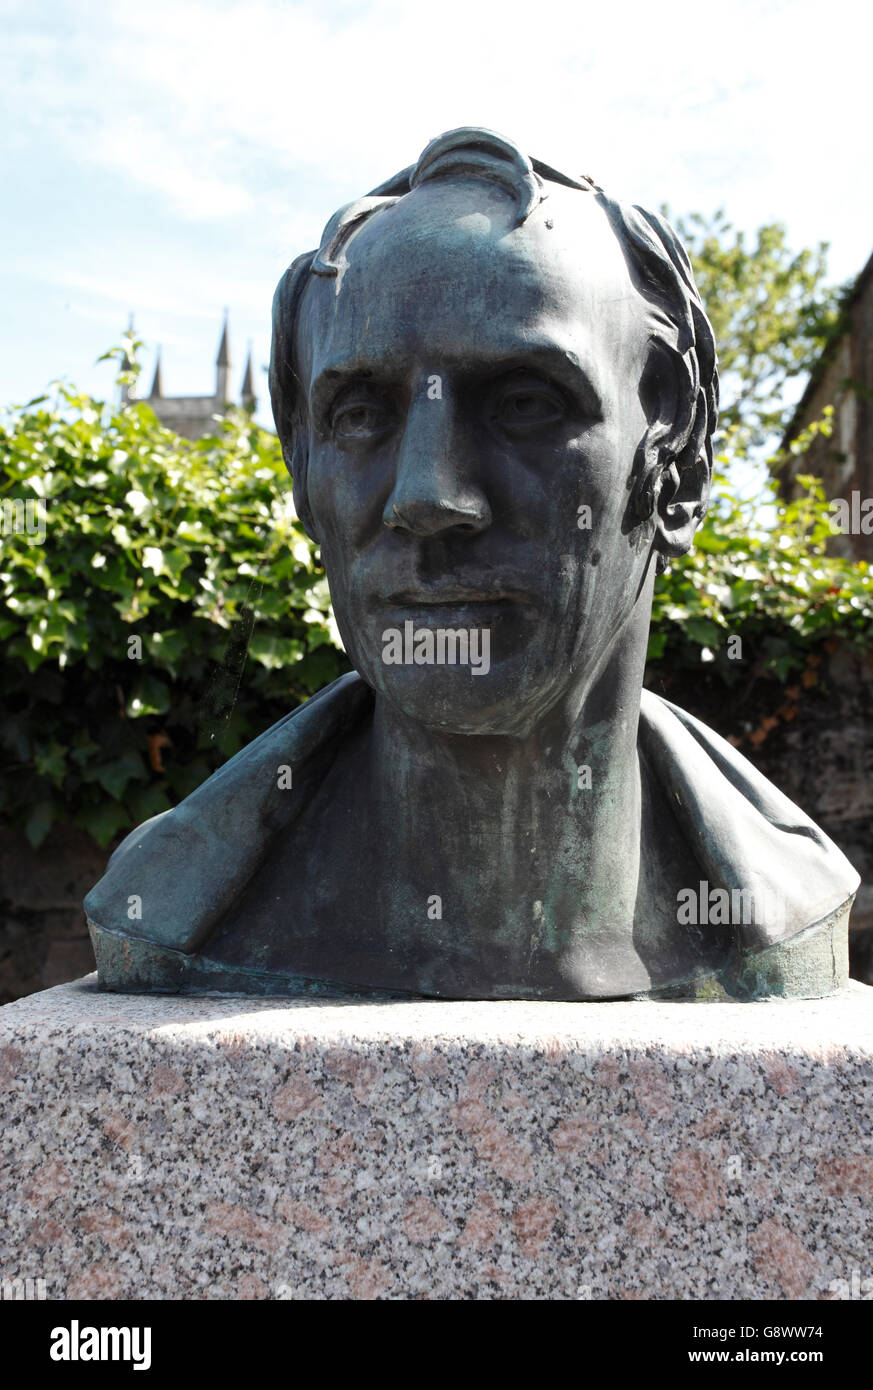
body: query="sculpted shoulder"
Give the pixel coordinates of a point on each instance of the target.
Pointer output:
(746, 837)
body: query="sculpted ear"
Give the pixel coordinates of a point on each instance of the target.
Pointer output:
(674, 485)
(682, 504)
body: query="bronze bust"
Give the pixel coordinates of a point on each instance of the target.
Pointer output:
(496, 389)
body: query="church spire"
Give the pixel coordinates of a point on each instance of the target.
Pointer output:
(247, 395)
(157, 390)
(222, 366)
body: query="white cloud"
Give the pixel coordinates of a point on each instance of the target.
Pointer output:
(170, 292)
(206, 144)
(217, 107)
(148, 157)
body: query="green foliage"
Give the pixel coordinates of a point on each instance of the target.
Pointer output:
(771, 312)
(193, 552)
(192, 548)
(759, 570)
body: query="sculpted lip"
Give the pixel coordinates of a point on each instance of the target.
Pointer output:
(445, 595)
(441, 597)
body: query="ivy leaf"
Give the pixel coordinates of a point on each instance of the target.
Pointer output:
(145, 802)
(275, 652)
(51, 762)
(39, 822)
(149, 696)
(704, 631)
(114, 776)
(103, 821)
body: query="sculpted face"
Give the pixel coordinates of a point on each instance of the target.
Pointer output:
(472, 385)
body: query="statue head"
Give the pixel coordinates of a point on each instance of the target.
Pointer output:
(495, 389)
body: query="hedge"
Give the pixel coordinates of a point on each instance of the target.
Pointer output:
(176, 608)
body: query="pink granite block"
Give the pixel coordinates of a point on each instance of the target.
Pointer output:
(161, 1147)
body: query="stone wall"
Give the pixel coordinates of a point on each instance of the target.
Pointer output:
(812, 737)
(823, 760)
(843, 379)
(43, 937)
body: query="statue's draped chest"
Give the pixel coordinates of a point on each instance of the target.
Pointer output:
(367, 893)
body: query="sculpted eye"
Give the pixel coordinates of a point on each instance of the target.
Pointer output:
(527, 407)
(358, 418)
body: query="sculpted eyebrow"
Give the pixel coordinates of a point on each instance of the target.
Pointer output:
(332, 380)
(550, 359)
(561, 364)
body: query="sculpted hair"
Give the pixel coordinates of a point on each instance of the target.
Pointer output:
(675, 458)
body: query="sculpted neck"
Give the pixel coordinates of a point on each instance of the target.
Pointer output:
(515, 819)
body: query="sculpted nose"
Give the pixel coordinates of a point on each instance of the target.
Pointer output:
(429, 515)
(434, 487)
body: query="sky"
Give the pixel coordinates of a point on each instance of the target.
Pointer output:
(170, 159)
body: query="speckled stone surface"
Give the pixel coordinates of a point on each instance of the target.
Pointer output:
(235, 1148)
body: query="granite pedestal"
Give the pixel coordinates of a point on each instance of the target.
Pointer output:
(229, 1148)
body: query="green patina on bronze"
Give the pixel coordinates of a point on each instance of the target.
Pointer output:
(495, 389)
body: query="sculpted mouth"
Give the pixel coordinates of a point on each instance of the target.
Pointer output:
(443, 597)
